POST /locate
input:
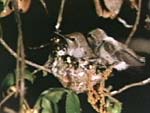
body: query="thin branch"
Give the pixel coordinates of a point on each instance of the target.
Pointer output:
(6, 98)
(13, 53)
(135, 24)
(44, 5)
(26, 104)
(20, 66)
(141, 83)
(124, 23)
(98, 7)
(9, 110)
(60, 15)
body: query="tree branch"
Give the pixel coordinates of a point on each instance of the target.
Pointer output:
(6, 98)
(135, 24)
(13, 90)
(44, 5)
(141, 83)
(9, 110)
(124, 23)
(98, 7)
(13, 53)
(60, 15)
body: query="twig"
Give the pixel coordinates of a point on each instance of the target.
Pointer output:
(9, 110)
(60, 15)
(141, 83)
(125, 24)
(39, 47)
(6, 98)
(135, 24)
(26, 104)
(98, 7)
(13, 53)
(20, 66)
(44, 5)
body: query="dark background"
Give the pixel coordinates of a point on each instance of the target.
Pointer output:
(79, 15)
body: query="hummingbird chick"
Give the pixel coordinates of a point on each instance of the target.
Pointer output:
(78, 46)
(114, 52)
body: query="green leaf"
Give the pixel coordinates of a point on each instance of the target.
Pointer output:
(55, 108)
(54, 94)
(29, 76)
(48, 100)
(8, 81)
(72, 103)
(46, 105)
(45, 111)
(38, 105)
(114, 106)
(1, 6)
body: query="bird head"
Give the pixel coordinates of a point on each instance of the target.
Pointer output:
(78, 45)
(96, 36)
(76, 39)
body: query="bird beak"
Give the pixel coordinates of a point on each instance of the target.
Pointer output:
(69, 41)
(66, 38)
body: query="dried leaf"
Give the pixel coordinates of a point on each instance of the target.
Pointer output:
(108, 8)
(6, 12)
(113, 6)
(135, 4)
(5, 9)
(24, 5)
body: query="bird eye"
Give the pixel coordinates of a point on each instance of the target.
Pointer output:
(89, 35)
(73, 39)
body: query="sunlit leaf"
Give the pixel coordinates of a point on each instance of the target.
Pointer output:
(135, 4)
(114, 106)
(24, 5)
(108, 8)
(43, 105)
(38, 105)
(5, 10)
(29, 76)
(46, 105)
(55, 108)
(49, 99)
(54, 94)
(45, 111)
(72, 103)
(113, 6)
(4, 2)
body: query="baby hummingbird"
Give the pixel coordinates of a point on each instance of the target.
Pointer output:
(112, 51)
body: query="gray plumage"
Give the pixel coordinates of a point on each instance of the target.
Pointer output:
(78, 46)
(112, 51)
